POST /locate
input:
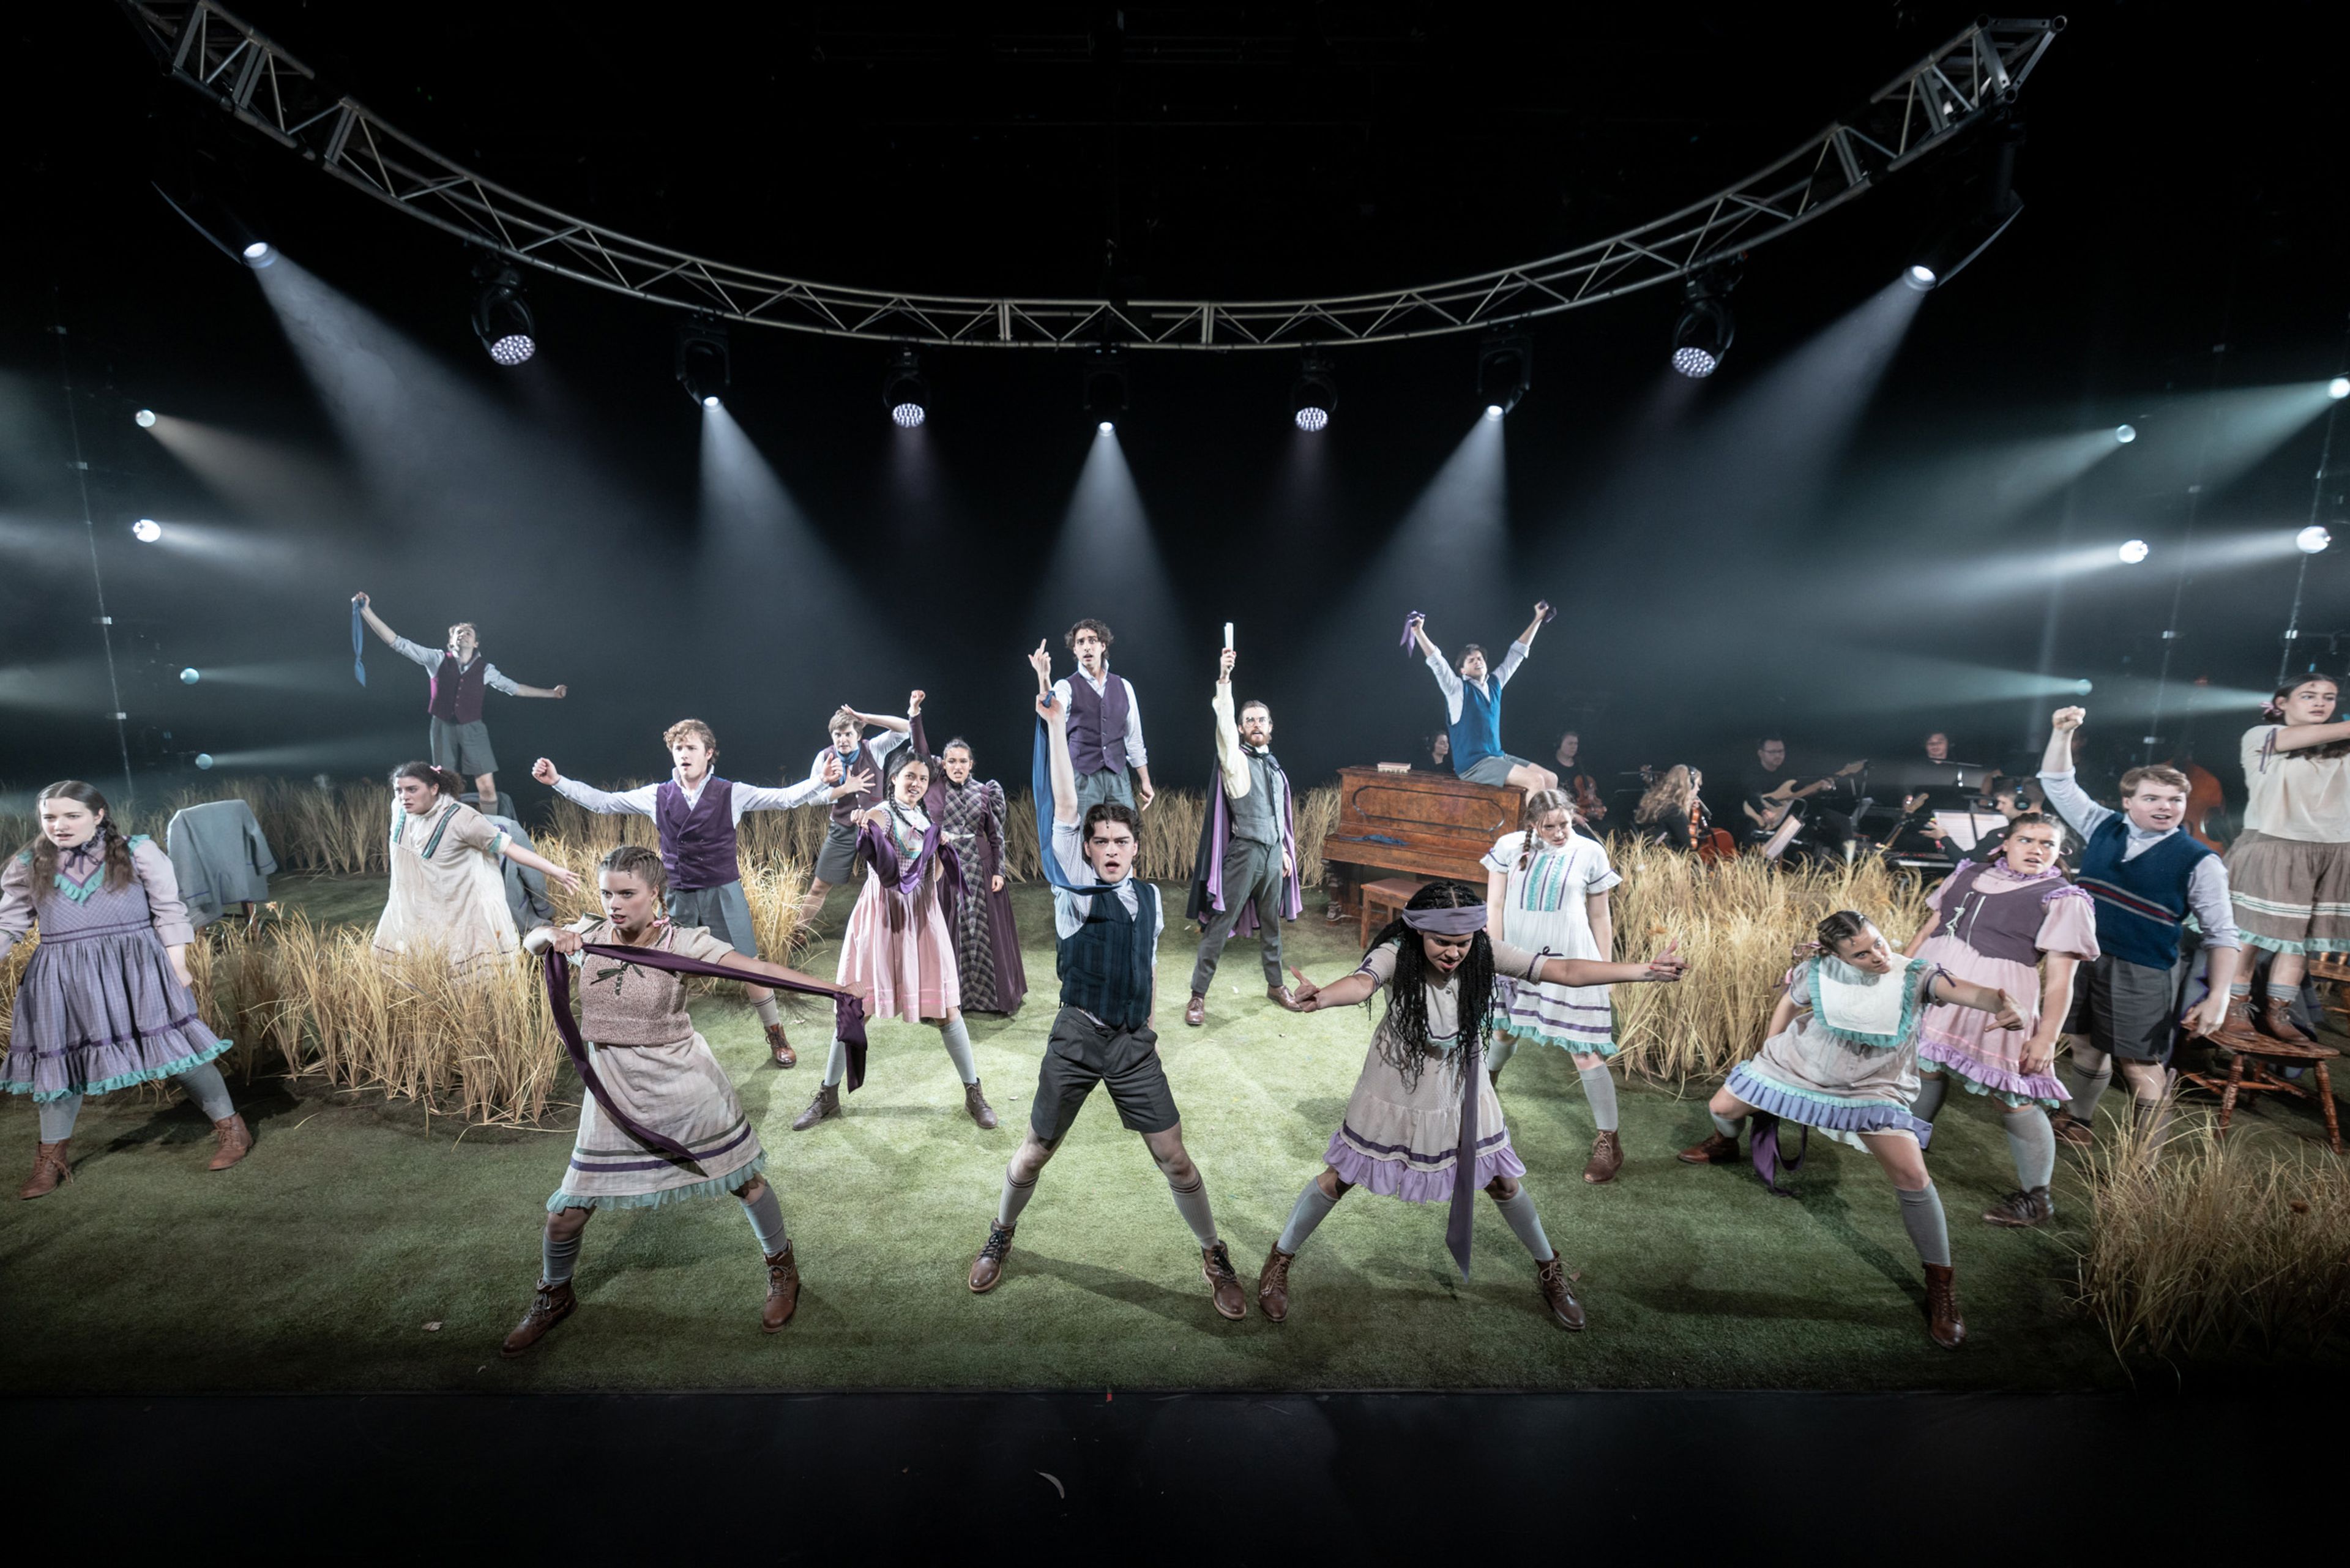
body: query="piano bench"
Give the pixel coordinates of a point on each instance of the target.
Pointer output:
(1389, 894)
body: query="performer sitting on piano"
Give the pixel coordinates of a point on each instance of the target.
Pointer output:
(1472, 702)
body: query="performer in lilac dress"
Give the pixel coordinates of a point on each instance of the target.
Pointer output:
(106, 1001)
(2015, 925)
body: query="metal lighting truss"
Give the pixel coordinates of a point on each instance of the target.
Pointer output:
(1925, 106)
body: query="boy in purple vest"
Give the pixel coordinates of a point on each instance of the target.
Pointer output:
(1104, 724)
(858, 758)
(697, 814)
(460, 741)
(2146, 874)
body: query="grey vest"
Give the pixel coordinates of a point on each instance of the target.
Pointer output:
(1256, 815)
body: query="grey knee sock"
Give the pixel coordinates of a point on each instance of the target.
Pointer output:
(835, 1064)
(769, 1013)
(2033, 1143)
(58, 1117)
(765, 1214)
(1498, 1051)
(1726, 1128)
(1519, 1211)
(1599, 1088)
(1191, 1202)
(557, 1258)
(1312, 1206)
(958, 1044)
(209, 1090)
(1930, 1232)
(1016, 1194)
(1932, 1087)
(2096, 1069)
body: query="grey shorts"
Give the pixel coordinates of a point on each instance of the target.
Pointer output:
(837, 859)
(1082, 1053)
(2127, 1009)
(721, 910)
(463, 749)
(1111, 784)
(1493, 770)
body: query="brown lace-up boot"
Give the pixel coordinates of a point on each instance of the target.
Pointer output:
(1223, 1281)
(2276, 1021)
(779, 1049)
(50, 1169)
(825, 1104)
(548, 1307)
(2073, 1131)
(988, 1267)
(2029, 1206)
(1607, 1158)
(1715, 1150)
(976, 1104)
(235, 1142)
(1942, 1320)
(783, 1289)
(1550, 1283)
(1272, 1285)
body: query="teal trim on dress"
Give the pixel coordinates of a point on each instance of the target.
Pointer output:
(2004, 1097)
(1845, 1101)
(123, 1080)
(1902, 1031)
(2284, 945)
(1564, 1042)
(739, 1177)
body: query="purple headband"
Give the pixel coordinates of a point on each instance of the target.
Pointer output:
(1464, 919)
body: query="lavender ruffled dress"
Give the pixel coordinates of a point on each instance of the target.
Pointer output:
(1402, 1139)
(1995, 926)
(100, 1008)
(1854, 1071)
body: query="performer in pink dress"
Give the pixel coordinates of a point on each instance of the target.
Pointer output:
(2016, 925)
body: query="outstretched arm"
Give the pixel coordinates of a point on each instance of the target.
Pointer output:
(1356, 988)
(541, 864)
(375, 621)
(883, 720)
(518, 690)
(1056, 725)
(638, 801)
(1420, 639)
(2300, 737)
(1668, 966)
(1950, 989)
(1542, 614)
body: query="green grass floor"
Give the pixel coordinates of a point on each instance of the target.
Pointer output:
(365, 1246)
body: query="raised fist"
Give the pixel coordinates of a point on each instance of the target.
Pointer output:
(360, 598)
(1225, 668)
(2070, 718)
(544, 772)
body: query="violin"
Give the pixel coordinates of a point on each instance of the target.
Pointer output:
(1587, 804)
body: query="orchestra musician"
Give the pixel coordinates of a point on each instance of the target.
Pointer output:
(1580, 786)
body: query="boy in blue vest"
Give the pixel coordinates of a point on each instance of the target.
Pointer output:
(459, 739)
(1472, 705)
(697, 814)
(1108, 923)
(2147, 874)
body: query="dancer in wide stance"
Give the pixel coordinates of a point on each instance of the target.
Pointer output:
(897, 955)
(1423, 1123)
(106, 1001)
(1107, 922)
(447, 892)
(662, 1124)
(1246, 876)
(1843, 1057)
(697, 814)
(1547, 891)
(2017, 925)
(2145, 873)
(1105, 723)
(856, 758)
(1472, 706)
(970, 815)
(460, 741)
(2289, 870)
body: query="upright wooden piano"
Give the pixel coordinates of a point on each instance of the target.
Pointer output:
(1427, 824)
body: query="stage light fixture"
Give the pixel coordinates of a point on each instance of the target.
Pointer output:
(904, 392)
(2126, 433)
(705, 367)
(145, 418)
(2083, 688)
(1983, 202)
(1920, 276)
(1701, 336)
(1505, 372)
(2134, 551)
(189, 676)
(258, 254)
(502, 317)
(2311, 539)
(146, 529)
(1314, 395)
(2338, 388)
(1105, 385)
(205, 760)
(1104, 428)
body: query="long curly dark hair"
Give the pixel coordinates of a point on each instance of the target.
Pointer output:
(109, 837)
(1404, 1044)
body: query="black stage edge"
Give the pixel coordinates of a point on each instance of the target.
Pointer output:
(1153, 1478)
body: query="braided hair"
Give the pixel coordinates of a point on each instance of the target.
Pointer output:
(1539, 805)
(1403, 1041)
(108, 839)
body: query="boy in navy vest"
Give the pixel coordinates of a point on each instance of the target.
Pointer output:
(1107, 922)
(2147, 874)
(1104, 724)
(460, 741)
(697, 814)
(1472, 705)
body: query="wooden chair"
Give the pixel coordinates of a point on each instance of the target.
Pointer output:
(2249, 1073)
(1388, 894)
